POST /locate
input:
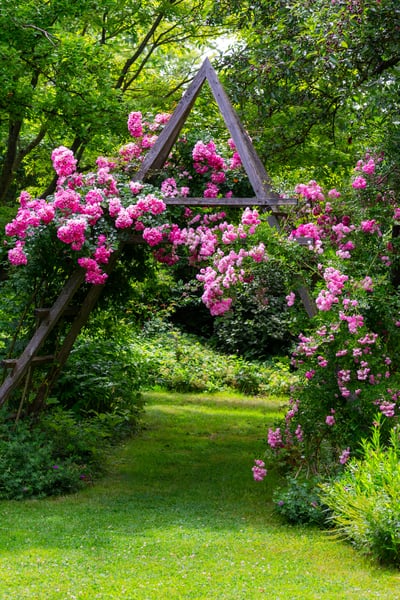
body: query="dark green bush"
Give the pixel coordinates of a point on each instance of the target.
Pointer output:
(58, 453)
(248, 377)
(299, 502)
(102, 374)
(30, 467)
(259, 326)
(85, 440)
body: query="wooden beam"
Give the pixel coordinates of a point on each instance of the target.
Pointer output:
(267, 202)
(304, 240)
(9, 363)
(80, 321)
(43, 313)
(158, 154)
(308, 301)
(252, 164)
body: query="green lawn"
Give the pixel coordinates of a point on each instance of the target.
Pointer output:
(179, 516)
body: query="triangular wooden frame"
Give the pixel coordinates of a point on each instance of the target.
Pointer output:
(258, 177)
(155, 160)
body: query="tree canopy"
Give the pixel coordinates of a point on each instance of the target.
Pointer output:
(315, 81)
(70, 73)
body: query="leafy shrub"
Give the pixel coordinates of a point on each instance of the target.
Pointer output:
(277, 377)
(259, 325)
(365, 500)
(299, 502)
(30, 468)
(85, 440)
(248, 377)
(57, 454)
(103, 374)
(107, 369)
(182, 362)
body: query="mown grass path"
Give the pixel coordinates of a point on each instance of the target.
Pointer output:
(179, 517)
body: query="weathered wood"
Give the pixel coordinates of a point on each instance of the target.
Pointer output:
(303, 240)
(43, 313)
(308, 301)
(158, 154)
(42, 332)
(9, 363)
(181, 201)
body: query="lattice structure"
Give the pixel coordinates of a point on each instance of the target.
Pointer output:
(20, 369)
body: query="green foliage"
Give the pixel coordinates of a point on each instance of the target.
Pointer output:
(316, 82)
(58, 453)
(248, 377)
(150, 292)
(85, 439)
(71, 73)
(365, 499)
(183, 362)
(102, 374)
(30, 467)
(17, 294)
(299, 502)
(259, 325)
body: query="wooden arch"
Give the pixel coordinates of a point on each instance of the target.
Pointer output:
(49, 318)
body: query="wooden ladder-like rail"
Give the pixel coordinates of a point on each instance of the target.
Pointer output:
(20, 368)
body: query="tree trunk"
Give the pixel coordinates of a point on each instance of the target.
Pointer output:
(7, 171)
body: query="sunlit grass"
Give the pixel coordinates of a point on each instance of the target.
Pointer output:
(179, 516)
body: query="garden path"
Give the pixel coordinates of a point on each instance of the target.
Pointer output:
(179, 517)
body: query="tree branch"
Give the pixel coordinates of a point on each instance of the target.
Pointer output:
(384, 65)
(29, 147)
(47, 35)
(138, 52)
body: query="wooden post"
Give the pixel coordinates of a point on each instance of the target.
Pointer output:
(80, 320)
(23, 362)
(156, 157)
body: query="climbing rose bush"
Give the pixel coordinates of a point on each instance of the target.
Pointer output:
(348, 358)
(93, 213)
(343, 245)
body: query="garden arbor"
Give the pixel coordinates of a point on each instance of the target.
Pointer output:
(19, 370)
